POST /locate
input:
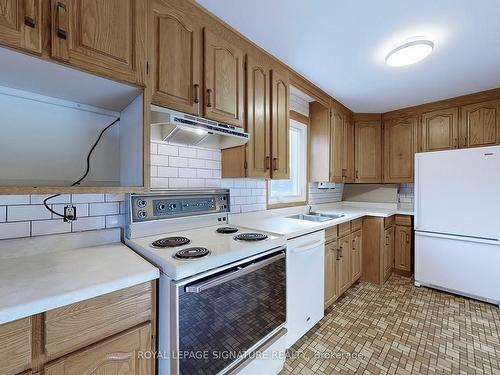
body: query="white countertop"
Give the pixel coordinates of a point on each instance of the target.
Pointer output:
(34, 281)
(276, 220)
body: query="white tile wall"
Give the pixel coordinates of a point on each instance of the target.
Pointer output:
(406, 193)
(318, 196)
(175, 166)
(25, 215)
(246, 194)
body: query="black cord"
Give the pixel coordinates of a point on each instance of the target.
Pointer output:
(86, 171)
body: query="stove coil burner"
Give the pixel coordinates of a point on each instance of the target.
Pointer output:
(191, 253)
(171, 242)
(250, 237)
(227, 230)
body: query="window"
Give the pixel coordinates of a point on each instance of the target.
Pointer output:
(293, 189)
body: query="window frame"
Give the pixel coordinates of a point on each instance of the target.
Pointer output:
(299, 121)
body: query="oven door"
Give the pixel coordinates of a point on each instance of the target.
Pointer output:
(221, 317)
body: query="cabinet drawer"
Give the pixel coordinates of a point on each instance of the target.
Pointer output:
(388, 222)
(331, 234)
(356, 224)
(344, 229)
(403, 220)
(15, 346)
(74, 326)
(118, 355)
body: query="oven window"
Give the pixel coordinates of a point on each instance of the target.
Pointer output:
(217, 325)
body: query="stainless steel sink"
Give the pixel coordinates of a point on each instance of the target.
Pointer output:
(316, 216)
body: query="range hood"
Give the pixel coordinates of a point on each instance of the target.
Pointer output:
(181, 128)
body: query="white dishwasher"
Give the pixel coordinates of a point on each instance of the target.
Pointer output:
(305, 259)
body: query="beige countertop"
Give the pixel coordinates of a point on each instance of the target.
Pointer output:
(277, 220)
(40, 274)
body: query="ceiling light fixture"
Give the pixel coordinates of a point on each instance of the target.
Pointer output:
(410, 52)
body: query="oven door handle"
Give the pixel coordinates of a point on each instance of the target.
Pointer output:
(241, 271)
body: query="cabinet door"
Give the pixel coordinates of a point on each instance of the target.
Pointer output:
(348, 151)
(102, 36)
(280, 126)
(118, 355)
(356, 241)
(15, 346)
(344, 264)
(174, 58)
(480, 124)
(368, 151)
(402, 251)
(388, 252)
(400, 136)
(336, 147)
(258, 148)
(223, 80)
(20, 24)
(440, 130)
(331, 275)
(319, 145)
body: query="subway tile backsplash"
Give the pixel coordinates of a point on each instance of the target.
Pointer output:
(406, 194)
(318, 196)
(25, 215)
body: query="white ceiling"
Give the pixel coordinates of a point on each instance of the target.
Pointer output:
(341, 45)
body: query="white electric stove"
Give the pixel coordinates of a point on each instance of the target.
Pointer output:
(222, 292)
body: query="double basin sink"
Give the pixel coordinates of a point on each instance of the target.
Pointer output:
(316, 216)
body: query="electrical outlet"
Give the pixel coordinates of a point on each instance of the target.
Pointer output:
(69, 213)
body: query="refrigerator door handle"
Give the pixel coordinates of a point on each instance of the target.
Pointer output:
(457, 237)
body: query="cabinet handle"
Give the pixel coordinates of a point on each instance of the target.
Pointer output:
(407, 238)
(268, 162)
(387, 240)
(275, 164)
(62, 20)
(344, 172)
(354, 244)
(357, 174)
(196, 93)
(338, 258)
(209, 98)
(340, 252)
(455, 141)
(29, 20)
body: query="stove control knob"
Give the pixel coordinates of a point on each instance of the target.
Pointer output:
(172, 206)
(142, 214)
(141, 203)
(161, 207)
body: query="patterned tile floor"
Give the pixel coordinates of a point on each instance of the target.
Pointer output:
(400, 329)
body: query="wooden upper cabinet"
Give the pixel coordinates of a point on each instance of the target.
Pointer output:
(20, 24)
(400, 141)
(118, 355)
(319, 134)
(280, 125)
(258, 148)
(480, 124)
(106, 37)
(440, 130)
(368, 151)
(337, 170)
(348, 151)
(174, 59)
(224, 80)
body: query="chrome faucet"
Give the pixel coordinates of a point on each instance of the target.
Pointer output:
(310, 208)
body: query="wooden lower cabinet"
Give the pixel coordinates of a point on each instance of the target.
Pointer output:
(388, 252)
(403, 245)
(378, 249)
(119, 355)
(331, 278)
(342, 263)
(98, 336)
(356, 252)
(15, 346)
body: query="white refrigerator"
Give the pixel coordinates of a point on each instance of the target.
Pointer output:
(457, 222)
